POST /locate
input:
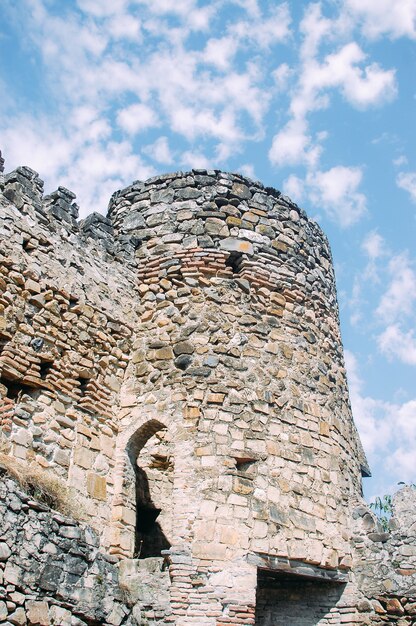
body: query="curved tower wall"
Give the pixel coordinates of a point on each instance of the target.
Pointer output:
(239, 347)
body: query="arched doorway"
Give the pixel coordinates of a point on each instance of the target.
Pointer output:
(153, 469)
(146, 491)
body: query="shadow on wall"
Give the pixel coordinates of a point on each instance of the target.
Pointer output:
(295, 601)
(148, 484)
(149, 537)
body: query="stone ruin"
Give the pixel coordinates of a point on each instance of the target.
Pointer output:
(177, 367)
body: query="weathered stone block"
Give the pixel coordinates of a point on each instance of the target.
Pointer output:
(5, 551)
(38, 613)
(237, 245)
(96, 486)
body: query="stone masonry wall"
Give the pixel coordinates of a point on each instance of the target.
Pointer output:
(239, 346)
(66, 315)
(179, 365)
(51, 570)
(385, 562)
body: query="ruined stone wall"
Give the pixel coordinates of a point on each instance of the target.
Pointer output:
(51, 570)
(67, 311)
(179, 365)
(385, 562)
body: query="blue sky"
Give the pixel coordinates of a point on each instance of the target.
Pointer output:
(315, 99)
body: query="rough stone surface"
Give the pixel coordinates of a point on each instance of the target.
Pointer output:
(385, 569)
(178, 366)
(47, 577)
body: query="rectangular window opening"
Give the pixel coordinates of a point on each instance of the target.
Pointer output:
(292, 600)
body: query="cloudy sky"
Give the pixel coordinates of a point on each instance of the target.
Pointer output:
(315, 99)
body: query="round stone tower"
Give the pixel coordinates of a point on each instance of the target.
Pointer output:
(238, 458)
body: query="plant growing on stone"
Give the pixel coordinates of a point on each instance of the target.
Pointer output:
(39, 484)
(383, 508)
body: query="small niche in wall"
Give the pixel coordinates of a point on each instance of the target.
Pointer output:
(73, 301)
(242, 464)
(44, 369)
(17, 389)
(161, 462)
(83, 385)
(234, 262)
(27, 245)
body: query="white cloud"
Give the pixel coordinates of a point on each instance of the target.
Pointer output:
(375, 248)
(367, 279)
(373, 245)
(251, 6)
(355, 302)
(292, 145)
(394, 342)
(282, 75)
(248, 170)
(406, 418)
(98, 8)
(398, 300)
(163, 7)
(98, 170)
(401, 160)
(335, 191)
(362, 83)
(383, 17)
(82, 158)
(401, 463)
(199, 19)
(220, 52)
(206, 122)
(407, 181)
(314, 28)
(361, 86)
(396, 310)
(136, 118)
(294, 187)
(125, 27)
(47, 148)
(190, 159)
(370, 415)
(387, 430)
(159, 151)
(265, 31)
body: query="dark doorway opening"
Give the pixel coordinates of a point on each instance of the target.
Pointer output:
(291, 600)
(151, 473)
(150, 539)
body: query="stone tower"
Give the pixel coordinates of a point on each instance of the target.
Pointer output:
(179, 365)
(238, 357)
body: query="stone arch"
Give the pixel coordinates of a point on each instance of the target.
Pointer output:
(134, 529)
